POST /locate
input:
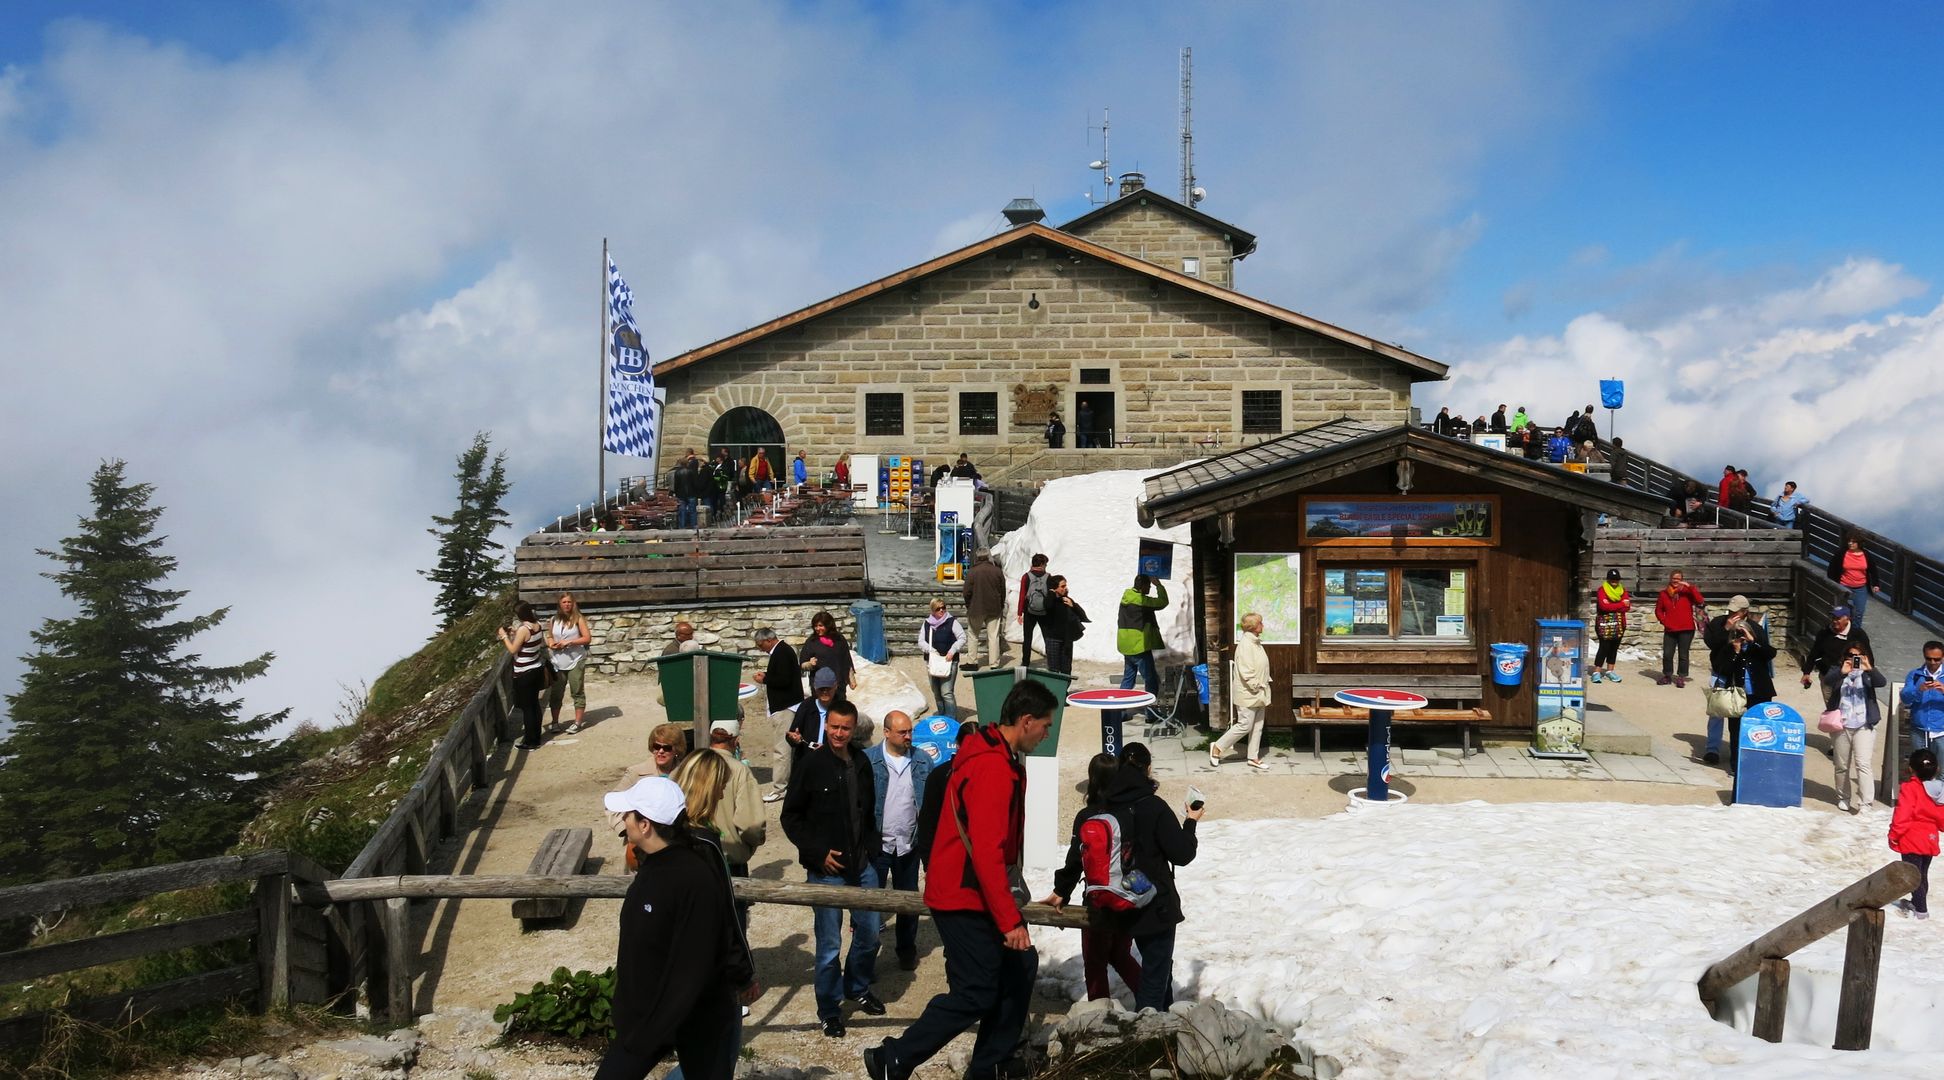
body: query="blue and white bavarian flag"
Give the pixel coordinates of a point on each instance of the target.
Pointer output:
(631, 413)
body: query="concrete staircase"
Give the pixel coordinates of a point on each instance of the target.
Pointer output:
(907, 606)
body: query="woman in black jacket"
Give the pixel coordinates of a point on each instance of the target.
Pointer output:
(1065, 620)
(826, 650)
(1160, 844)
(1739, 654)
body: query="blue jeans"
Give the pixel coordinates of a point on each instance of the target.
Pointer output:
(1859, 603)
(859, 970)
(900, 872)
(1926, 740)
(685, 514)
(1142, 662)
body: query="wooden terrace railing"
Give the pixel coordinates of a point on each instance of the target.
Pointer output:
(1858, 907)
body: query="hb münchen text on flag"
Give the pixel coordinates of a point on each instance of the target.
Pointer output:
(631, 412)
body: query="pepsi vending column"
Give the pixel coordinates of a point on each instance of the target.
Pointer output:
(1561, 728)
(1768, 768)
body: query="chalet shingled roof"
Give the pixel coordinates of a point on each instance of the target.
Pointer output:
(1240, 243)
(1419, 368)
(1300, 460)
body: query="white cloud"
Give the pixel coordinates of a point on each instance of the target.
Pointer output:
(288, 288)
(1791, 385)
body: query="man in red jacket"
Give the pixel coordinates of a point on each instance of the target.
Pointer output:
(990, 962)
(1674, 607)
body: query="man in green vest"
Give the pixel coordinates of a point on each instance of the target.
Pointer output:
(1139, 634)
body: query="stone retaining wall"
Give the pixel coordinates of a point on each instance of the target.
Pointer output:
(628, 639)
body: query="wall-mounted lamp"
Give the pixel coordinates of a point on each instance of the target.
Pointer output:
(1032, 301)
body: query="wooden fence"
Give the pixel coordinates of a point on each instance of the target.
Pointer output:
(1912, 583)
(378, 938)
(675, 568)
(1858, 907)
(294, 949)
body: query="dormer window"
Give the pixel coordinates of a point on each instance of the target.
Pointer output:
(1191, 265)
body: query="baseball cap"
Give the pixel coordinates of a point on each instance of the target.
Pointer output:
(823, 679)
(1738, 602)
(656, 798)
(1840, 611)
(730, 728)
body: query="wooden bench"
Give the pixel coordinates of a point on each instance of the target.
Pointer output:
(561, 855)
(1320, 692)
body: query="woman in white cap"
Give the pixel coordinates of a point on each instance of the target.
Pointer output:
(684, 969)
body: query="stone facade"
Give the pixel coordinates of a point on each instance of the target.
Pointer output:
(1031, 324)
(627, 640)
(1147, 231)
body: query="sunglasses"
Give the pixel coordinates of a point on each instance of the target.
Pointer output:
(659, 748)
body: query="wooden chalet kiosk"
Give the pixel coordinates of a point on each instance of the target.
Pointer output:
(1384, 555)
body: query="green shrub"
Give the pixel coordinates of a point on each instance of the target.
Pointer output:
(571, 1005)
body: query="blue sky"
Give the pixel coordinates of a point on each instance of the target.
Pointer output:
(345, 238)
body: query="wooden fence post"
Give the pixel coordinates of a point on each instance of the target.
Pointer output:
(398, 959)
(1771, 999)
(273, 901)
(1856, 1009)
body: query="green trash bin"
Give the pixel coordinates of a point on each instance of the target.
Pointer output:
(990, 687)
(697, 703)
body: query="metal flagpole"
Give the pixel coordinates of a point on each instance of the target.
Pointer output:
(600, 384)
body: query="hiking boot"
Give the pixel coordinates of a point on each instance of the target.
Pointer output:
(1680, 682)
(1663, 680)
(1712, 757)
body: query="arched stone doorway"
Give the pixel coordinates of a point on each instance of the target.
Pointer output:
(745, 429)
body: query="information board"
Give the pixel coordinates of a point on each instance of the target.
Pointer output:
(1768, 768)
(1560, 731)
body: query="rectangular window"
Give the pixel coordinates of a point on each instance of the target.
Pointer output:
(884, 414)
(1191, 266)
(1262, 412)
(1096, 376)
(1400, 603)
(978, 413)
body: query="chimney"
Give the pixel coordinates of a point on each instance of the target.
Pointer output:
(1023, 212)
(1131, 182)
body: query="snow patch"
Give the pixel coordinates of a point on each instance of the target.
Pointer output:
(1539, 939)
(1085, 525)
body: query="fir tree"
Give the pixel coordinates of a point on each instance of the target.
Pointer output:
(469, 568)
(126, 750)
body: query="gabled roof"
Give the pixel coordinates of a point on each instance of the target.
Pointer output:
(1420, 368)
(1240, 243)
(1304, 459)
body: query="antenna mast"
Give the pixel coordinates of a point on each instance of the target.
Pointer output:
(1189, 194)
(1105, 166)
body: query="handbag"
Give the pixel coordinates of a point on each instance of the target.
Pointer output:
(1727, 702)
(1831, 721)
(938, 665)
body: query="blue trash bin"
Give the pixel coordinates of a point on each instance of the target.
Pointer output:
(870, 630)
(1508, 663)
(1201, 681)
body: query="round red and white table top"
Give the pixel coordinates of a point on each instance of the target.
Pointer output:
(747, 689)
(1365, 697)
(1112, 698)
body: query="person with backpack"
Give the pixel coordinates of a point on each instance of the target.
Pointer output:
(1065, 622)
(1137, 632)
(1099, 853)
(1034, 587)
(1160, 844)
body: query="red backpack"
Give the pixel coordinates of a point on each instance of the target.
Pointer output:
(1107, 866)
